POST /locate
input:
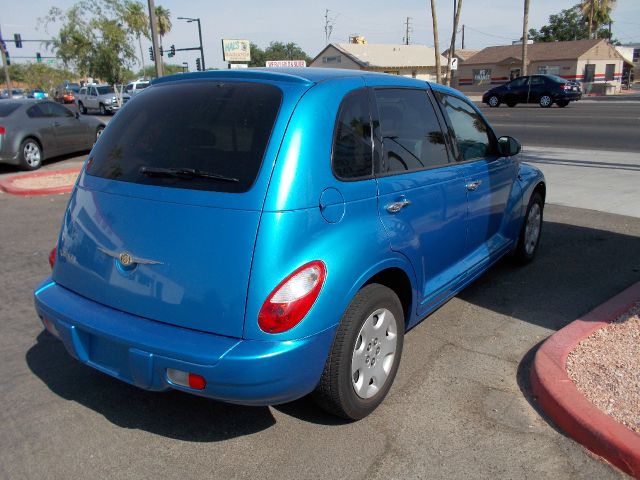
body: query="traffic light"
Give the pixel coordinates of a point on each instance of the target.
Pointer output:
(8, 57)
(38, 57)
(198, 66)
(151, 55)
(172, 51)
(161, 51)
(18, 40)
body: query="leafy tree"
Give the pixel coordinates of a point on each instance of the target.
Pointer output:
(167, 68)
(597, 13)
(277, 51)
(39, 75)
(91, 38)
(138, 22)
(569, 24)
(163, 17)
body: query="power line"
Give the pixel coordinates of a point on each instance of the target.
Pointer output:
(328, 26)
(488, 34)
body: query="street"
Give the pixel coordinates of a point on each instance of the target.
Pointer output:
(588, 124)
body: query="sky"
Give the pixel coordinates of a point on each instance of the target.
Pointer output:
(496, 22)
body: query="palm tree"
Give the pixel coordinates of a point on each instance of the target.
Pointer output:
(138, 23)
(435, 41)
(163, 17)
(598, 10)
(525, 32)
(452, 48)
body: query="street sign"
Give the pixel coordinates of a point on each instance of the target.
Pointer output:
(237, 66)
(454, 63)
(285, 63)
(236, 50)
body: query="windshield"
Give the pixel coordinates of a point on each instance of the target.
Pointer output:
(73, 88)
(219, 128)
(142, 85)
(104, 90)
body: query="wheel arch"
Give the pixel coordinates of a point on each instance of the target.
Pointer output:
(37, 139)
(396, 279)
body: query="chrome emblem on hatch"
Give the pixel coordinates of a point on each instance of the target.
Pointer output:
(127, 260)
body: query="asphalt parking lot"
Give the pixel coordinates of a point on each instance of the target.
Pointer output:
(460, 407)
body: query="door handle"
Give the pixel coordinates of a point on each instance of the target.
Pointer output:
(471, 186)
(395, 207)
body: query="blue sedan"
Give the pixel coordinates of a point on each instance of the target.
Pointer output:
(256, 236)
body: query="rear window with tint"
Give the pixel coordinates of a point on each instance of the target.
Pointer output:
(221, 128)
(7, 108)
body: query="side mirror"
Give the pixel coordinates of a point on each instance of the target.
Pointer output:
(508, 146)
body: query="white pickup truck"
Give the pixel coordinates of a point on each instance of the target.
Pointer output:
(99, 97)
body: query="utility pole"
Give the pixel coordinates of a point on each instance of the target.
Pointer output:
(189, 20)
(154, 37)
(436, 49)
(452, 47)
(407, 39)
(5, 67)
(525, 39)
(463, 36)
(328, 27)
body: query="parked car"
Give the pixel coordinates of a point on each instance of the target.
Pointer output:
(34, 130)
(37, 93)
(542, 89)
(99, 97)
(66, 92)
(137, 86)
(257, 236)
(15, 92)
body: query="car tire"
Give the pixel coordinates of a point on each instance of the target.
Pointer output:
(531, 231)
(103, 111)
(511, 104)
(494, 101)
(30, 154)
(82, 108)
(371, 332)
(546, 101)
(563, 103)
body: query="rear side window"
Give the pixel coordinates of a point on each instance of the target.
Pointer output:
(352, 143)
(7, 108)
(411, 135)
(219, 128)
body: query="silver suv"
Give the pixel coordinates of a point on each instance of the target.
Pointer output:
(137, 86)
(99, 97)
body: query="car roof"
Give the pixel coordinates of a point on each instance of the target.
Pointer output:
(295, 75)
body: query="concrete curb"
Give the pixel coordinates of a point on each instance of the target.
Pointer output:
(6, 184)
(558, 396)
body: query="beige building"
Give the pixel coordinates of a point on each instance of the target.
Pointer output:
(416, 61)
(594, 62)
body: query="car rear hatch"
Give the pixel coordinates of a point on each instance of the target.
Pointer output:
(162, 223)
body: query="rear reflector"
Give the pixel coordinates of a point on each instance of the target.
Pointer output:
(51, 328)
(186, 379)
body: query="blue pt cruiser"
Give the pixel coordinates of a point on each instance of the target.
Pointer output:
(257, 236)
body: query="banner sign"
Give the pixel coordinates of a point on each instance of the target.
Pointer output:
(286, 63)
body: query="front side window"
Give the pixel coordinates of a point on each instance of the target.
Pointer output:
(471, 131)
(410, 132)
(206, 130)
(352, 143)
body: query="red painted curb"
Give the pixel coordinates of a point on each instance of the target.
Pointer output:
(7, 186)
(559, 397)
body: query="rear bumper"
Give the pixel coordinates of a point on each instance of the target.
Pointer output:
(139, 351)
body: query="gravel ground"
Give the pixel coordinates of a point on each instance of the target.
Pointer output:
(46, 181)
(606, 367)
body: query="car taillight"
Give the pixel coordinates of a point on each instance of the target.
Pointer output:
(2, 130)
(52, 256)
(292, 299)
(566, 86)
